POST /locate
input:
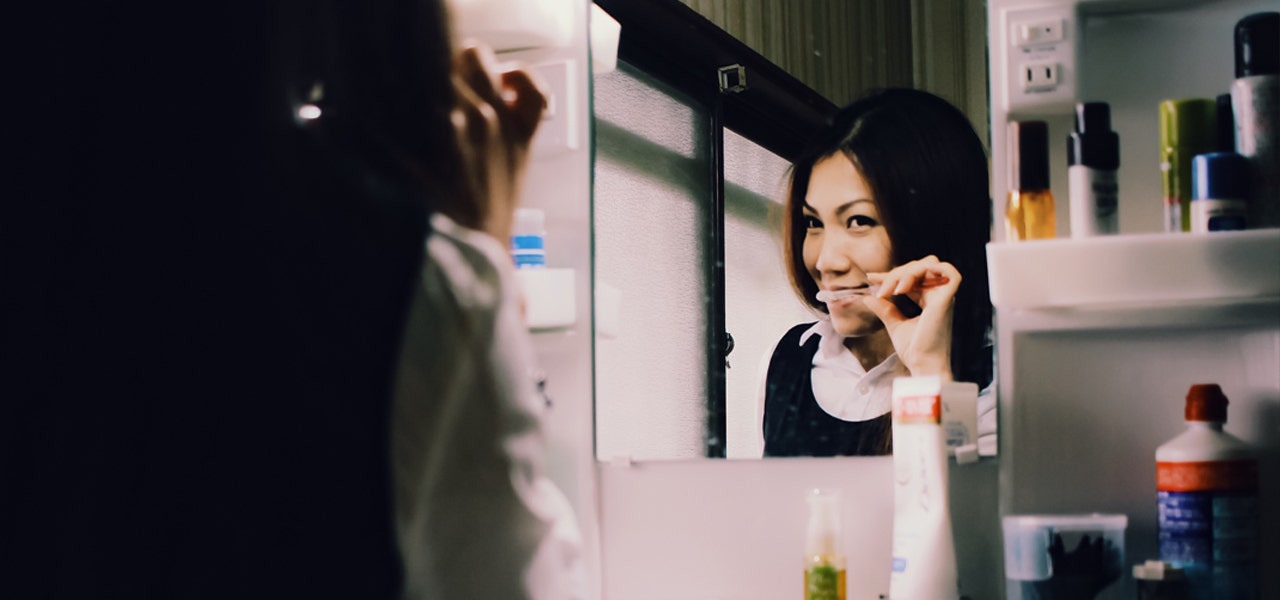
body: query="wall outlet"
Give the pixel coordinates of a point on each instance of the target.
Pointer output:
(1039, 76)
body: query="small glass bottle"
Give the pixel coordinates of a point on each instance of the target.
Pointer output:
(1030, 213)
(824, 573)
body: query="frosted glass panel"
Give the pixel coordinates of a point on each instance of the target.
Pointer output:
(650, 226)
(759, 303)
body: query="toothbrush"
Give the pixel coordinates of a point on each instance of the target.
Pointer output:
(873, 290)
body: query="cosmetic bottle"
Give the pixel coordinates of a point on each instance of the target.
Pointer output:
(1029, 213)
(824, 573)
(1187, 127)
(1219, 189)
(1093, 156)
(1255, 102)
(528, 248)
(924, 552)
(1207, 489)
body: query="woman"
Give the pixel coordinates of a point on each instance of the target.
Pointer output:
(220, 249)
(889, 211)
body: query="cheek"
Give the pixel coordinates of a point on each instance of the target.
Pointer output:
(812, 246)
(875, 255)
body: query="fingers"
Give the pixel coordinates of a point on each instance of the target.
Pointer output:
(512, 93)
(915, 277)
(526, 100)
(887, 312)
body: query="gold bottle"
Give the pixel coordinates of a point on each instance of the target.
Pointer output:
(1030, 213)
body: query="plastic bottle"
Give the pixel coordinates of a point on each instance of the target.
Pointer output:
(527, 239)
(1255, 102)
(824, 573)
(1093, 156)
(1187, 127)
(1207, 482)
(1029, 214)
(1219, 189)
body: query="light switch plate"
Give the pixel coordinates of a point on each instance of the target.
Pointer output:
(558, 132)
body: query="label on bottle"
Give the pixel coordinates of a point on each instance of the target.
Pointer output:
(1172, 213)
(1208, 522)
(1094, 198)
(823, 583)
(1254, 102)
(1211, 214)
(528, 251)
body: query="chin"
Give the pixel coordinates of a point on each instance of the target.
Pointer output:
(855, 322)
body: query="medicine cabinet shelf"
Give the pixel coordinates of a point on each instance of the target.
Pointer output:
(1138, 281)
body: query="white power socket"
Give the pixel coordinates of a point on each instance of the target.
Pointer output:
(1036, 54)
(1039, 76)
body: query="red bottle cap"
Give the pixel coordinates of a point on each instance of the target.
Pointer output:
(1206, 402)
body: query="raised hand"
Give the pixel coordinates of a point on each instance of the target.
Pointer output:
(498, 109)
(922, 342)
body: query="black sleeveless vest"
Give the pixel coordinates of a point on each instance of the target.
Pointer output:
(794, 424)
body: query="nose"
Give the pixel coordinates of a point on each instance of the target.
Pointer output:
(833, 256)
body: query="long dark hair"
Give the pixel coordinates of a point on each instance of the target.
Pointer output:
(205, 293)
(928, 172)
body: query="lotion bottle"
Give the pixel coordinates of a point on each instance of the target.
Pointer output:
(924, 553)
(1093, 156)
(1029, 213)
(1255, 103)
(1207, 489)
(824, 572)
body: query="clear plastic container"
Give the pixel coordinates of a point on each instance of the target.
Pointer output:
(1063, 556)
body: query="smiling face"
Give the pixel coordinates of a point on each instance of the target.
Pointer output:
(844, 240)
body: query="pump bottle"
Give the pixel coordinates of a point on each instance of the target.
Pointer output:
(1255, 100)
(1093, 156)
(1207, 488)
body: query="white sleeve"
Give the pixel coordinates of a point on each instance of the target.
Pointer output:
(476, 515)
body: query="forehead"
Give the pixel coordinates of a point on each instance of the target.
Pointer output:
(834, 183)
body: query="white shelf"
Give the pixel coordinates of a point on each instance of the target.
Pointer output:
(1124, 272)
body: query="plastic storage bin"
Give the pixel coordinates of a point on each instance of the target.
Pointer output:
(1063, 556)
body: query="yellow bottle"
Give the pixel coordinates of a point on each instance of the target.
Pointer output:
(1029, 213)
(824, 573)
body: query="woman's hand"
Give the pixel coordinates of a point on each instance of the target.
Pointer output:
(498, 110)
(923, 342)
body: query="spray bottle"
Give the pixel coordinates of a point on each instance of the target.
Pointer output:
(1207, 486)
(1029, 213)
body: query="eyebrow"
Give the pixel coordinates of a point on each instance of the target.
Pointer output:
(839, 209)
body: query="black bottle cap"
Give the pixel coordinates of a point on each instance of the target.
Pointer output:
(1258, 45)
(1093, 144)
(1226, 125)
(1029, 149)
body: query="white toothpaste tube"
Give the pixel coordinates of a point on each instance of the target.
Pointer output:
(924, 556)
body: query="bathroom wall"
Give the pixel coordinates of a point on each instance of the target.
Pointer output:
(559, 183)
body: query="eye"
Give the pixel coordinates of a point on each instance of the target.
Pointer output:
(861, 222)
(812, 222)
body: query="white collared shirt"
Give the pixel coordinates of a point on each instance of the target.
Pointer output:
(847, 391)
(841, 386)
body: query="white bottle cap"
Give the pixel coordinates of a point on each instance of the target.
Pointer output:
(530, 221)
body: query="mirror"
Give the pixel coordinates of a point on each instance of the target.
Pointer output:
(662, 289)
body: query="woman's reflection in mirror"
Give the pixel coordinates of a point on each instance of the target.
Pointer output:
(887, 215)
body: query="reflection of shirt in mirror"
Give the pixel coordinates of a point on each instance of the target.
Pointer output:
(838, 398)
